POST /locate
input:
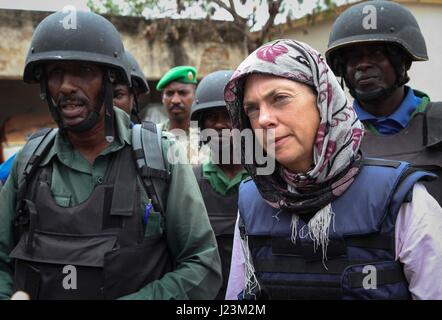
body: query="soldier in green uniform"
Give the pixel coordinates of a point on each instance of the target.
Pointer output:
(219, 182)
(78, 202)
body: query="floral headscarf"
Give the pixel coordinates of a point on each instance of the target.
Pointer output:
(337, 140)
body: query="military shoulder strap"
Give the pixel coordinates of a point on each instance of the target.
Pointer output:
(32, 153)
(433, 128)
(27, 163)
(151, 165)
(198, 171)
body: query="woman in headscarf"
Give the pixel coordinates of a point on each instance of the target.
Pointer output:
(327, 223)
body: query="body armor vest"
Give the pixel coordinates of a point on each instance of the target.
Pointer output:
(100, 241)
(419, 144)
(222, 211)
(361, 234)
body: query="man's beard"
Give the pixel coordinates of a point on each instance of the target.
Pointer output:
(91, 118)
(178, 116)
(370, 96)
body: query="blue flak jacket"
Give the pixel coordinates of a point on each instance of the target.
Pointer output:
(362, 240)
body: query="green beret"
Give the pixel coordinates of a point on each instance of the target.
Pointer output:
(183, 74)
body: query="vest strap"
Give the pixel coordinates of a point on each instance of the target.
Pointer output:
(383, 277)
(146, 143)
(299, 265)
(124, 190)
(301, 289)
(381, 162)
(148, 173)
(375, 241)
(32, 153)
(198, 172)
(38, 145)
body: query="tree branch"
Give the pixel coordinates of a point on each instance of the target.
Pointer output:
(235, 14)
(239, 23)
(231, 10)
(225, 7)
(273, 11)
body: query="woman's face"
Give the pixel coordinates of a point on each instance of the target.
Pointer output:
(290, 109)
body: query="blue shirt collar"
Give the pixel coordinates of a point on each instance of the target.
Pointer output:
(399, 118)
(5, 168)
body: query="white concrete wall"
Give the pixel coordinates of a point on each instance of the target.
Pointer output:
(425, 76)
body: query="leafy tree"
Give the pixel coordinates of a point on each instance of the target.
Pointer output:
(252, 18)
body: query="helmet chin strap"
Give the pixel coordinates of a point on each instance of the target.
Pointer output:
(86, 124)
(93, 117)
(109, 106)
(373, 95)
(135, 111)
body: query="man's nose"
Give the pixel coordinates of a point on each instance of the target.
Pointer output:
(68, 84)
(364, 62)
(176, 98)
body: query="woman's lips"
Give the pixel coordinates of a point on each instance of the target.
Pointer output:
(280, 140)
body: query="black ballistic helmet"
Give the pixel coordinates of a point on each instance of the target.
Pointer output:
(139, 82)
(78, 36)
(210, 93)
(90, 38)
(139, 86)
(394, 24)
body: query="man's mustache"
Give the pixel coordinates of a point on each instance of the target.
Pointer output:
(360, 75)
(177, 106)
(74, 99)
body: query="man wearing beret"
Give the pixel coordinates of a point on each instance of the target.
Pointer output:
(178, 87)
(178, 91)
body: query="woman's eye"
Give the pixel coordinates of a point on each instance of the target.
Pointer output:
(280, 98)
(250, 111)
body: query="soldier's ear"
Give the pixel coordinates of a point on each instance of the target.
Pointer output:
(408, 61)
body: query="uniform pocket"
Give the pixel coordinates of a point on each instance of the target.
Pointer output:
(154, 227)
(148, 261)
(56, 248)
(63, 200)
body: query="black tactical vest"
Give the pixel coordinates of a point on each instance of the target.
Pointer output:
(420, 144)
(222, 211)
(102, 238)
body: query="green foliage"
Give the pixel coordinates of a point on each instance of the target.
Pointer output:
(104, 6)
(137, 7)
(249, 22)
